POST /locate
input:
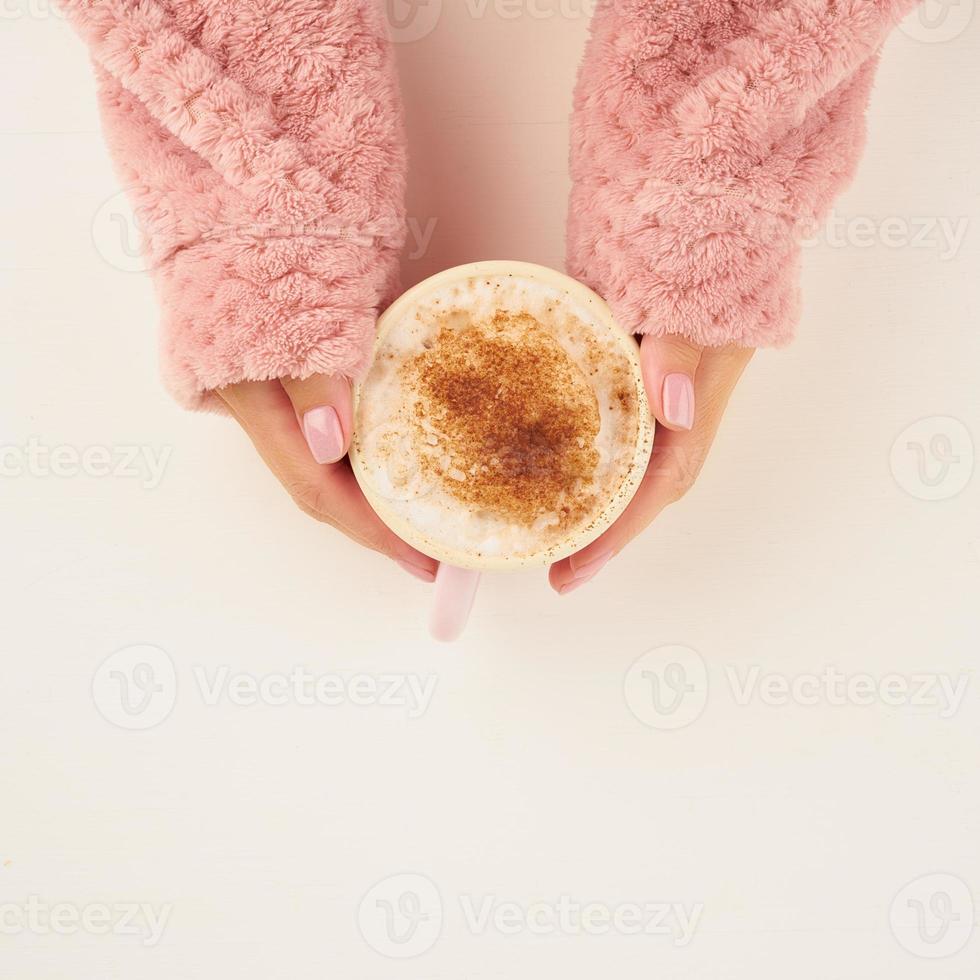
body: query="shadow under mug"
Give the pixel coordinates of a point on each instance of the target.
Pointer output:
(458, 577)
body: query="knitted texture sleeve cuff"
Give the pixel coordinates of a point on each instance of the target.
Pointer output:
(262, 147)
(707, 138)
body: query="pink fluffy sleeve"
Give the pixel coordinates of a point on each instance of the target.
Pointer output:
(261, 143)
(707, 136)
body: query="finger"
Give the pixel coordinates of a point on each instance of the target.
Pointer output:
(669, 472)
(323, 408)
(327, 493)
(670, 365)
(678, 457)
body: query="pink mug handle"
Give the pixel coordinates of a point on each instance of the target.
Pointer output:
(455, 592)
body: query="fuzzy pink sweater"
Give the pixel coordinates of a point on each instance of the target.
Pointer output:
(262, 141)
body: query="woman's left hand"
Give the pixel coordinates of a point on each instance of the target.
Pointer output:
(302, 429)
(688, 388)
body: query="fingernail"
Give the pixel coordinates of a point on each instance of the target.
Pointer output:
(590, 569)
(324, 434)
(576, 583)
(678, 397)
(421, 573)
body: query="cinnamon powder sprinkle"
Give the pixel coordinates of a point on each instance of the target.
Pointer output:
(516, 419)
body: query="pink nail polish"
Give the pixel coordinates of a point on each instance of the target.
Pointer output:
(591, 568)
(324, 434)
(420, 573)
(576, 583)
(678, 399)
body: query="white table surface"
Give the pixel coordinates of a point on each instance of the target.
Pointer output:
(775, 834)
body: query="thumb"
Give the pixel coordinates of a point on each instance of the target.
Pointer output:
(323, 406)
(669, 365)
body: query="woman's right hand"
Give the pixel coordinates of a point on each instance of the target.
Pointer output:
(688, 389)
(302, 430)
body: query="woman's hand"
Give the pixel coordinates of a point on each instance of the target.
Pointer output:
(688, 388)
(302, 430)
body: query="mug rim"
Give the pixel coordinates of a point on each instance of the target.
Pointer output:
(620, 498)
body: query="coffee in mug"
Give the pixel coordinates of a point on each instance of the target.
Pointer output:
(503, 422)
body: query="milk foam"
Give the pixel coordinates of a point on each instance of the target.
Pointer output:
(406, 455)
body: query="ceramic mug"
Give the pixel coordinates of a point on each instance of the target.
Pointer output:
(459, 571)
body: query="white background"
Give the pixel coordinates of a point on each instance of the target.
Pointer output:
(541, 767)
